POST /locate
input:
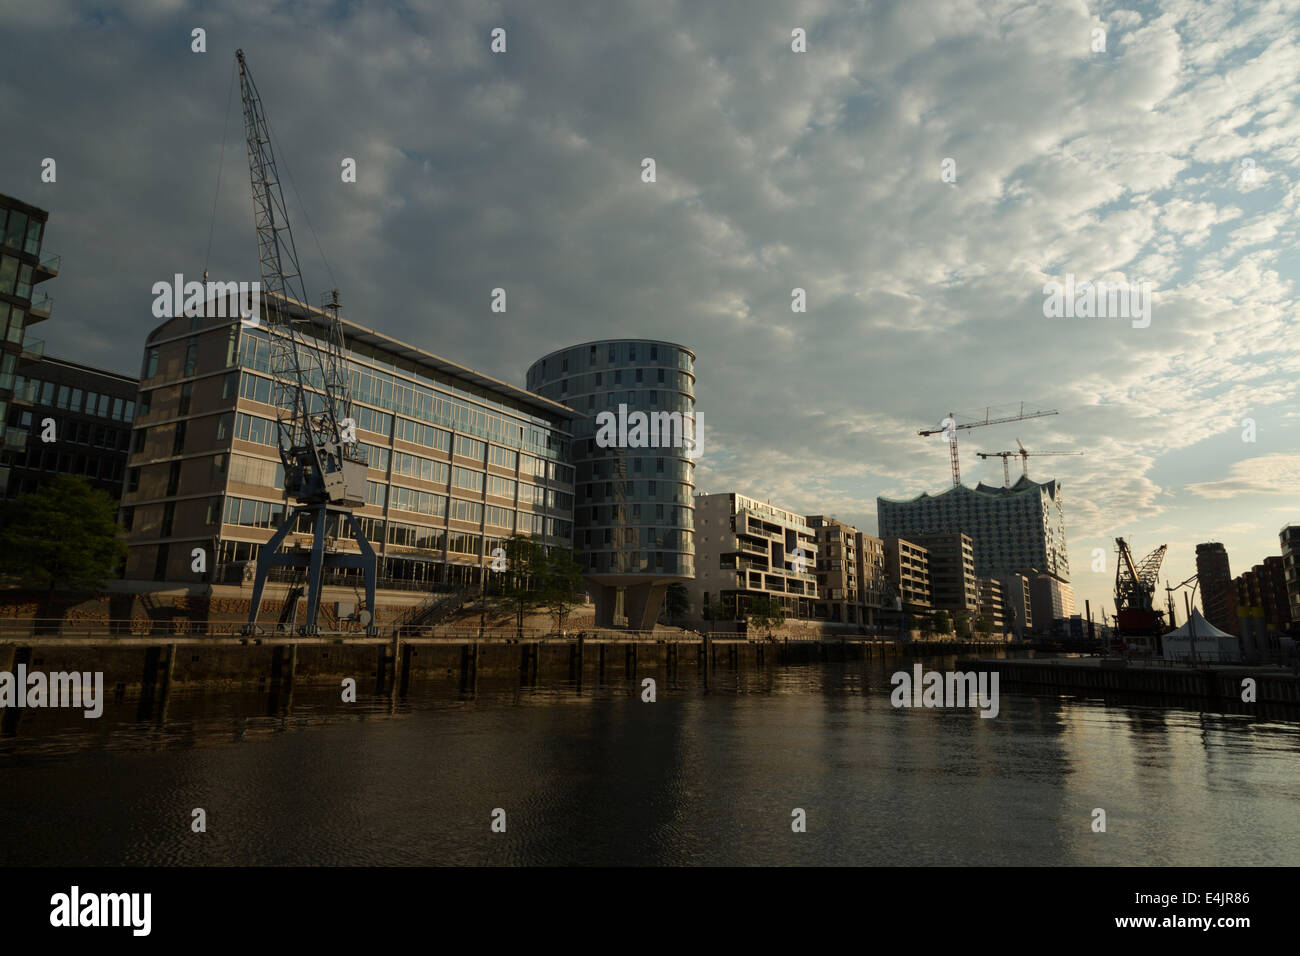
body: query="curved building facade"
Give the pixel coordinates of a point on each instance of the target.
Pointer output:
(634, 514)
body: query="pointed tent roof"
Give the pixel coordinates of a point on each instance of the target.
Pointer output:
(1204, 629)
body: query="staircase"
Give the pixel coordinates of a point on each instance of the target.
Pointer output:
(438, 608)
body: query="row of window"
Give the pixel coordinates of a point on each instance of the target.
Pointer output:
(76, 432)
(15, 277)
(21, 231)
(386, 391)
(41, 458)
(73, 399)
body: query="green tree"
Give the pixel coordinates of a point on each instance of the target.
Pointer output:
(940, 623)
(523, 578)
(676, 601)
(714, 611)
(766, 613)
(63, 535)
(561, 586)
(984, 626)
(963, 625)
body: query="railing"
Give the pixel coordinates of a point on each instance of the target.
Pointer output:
(15, 439)
(33, 349)
(41, 305)
(50, 263)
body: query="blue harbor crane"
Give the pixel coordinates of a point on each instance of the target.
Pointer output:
(324, 472)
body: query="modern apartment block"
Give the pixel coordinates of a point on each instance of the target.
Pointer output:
(745, 549)
(907, 571)
(991, 608)
(850, 572)
(634, 516)
(1017, 603)
(953, 585)
(1264, 587)
(77, 421)
(457, 460)
(1011, 529)
(23, 265)
(1215, 579)
(1290, 539)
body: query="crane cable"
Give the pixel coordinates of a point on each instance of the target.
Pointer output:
(225, 129)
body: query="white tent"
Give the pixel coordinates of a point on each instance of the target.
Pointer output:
(1212, 644)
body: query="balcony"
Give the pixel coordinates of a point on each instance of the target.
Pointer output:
(33, 349)
(40, 308)
(47, 268)
(26, 394)
(15, 439)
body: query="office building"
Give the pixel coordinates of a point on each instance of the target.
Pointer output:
(76, 421)
(457, 460)
(1215, 580)
(1290, 539)
(1053, 604)
(746, 549)
(992, 607)
(634, 520)
(1011, 529)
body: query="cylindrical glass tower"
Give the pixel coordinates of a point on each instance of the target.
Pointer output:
(634, 527)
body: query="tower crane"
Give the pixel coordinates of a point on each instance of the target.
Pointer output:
(949, 428)
(1024, 460)
(324, 474)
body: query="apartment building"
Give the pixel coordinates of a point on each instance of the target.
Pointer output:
(907, 571)
(1215, 579)
(850, 573)
(992, 607)
(1290, 539)
(23, 266)
(745, 549)
(457, 460)
(1017, 603)
(953, 585)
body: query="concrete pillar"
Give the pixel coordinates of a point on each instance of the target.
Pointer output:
(643, 605)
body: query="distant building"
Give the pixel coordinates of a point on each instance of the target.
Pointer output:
(1290, 538)
(1017, 603)
(1273, 591)
(1017, 528)
(1215, 579)
(907, 569)
(1053, 604)
(953, 585)
(850, 573)
(88, 412)
(746, 549)
(992, 606)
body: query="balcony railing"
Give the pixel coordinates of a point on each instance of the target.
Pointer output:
(25, 392)
(41, 306)
(49, 265)
(33, 349)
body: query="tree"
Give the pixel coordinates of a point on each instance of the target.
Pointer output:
(523, 577)
(927, 626)
(984, 626)
(676, 601)
(766, 612)
(940, 623)
(963, 625)
(561, 586)
(63, 535)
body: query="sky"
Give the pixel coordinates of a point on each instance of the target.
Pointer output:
(922, 170)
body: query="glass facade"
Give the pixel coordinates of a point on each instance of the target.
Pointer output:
(633, 503)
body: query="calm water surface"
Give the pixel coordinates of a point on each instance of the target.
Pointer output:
(705, 775)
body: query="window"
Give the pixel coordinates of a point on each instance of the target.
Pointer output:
(63, 396)
(187, 394)
(214, 511)
(178, 438)
(470, 448)
(376, 493)
(126, 518)
(191, 355)
(76, 400)
(169, 516)
(173, 477)
(102, 410)
(501, 487)
(500, 517)
(117, 409)
(150, 364)
(654, 354)
(467, 479)
(465, 510)
(503, 457)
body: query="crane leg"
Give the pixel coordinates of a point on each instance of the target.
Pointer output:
(317, 560)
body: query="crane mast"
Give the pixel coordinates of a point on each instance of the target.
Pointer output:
(323, 473)
(949, 428)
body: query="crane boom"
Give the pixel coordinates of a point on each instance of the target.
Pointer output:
(949, 428)
(323, 473)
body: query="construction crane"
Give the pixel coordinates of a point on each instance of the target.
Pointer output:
(1135, 588)
(949, 428)
(1024, 460)
(324, 474)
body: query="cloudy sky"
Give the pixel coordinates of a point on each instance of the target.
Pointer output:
(1170, 157)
